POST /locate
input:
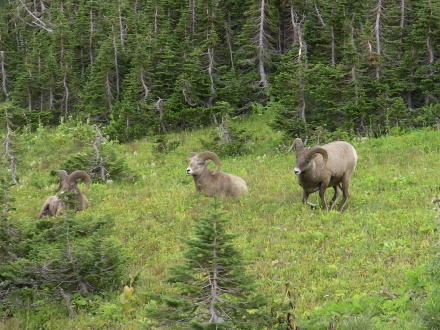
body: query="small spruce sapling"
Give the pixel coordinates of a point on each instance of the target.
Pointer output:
(214, 289)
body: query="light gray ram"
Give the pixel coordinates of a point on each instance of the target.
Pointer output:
(213, 182)
(320, 167)
(55, 205)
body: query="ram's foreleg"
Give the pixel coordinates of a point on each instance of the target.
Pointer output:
(338, 192)
(305, 200)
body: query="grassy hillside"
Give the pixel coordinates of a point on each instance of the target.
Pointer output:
(384, 237)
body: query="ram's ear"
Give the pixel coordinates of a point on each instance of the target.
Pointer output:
(192, 154)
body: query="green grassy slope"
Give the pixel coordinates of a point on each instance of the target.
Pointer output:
(387, 228)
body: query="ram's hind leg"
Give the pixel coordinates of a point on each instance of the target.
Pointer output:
(322, 190)
(338, 191)
(345, 192)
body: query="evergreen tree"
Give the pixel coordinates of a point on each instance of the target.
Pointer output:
(422, 54)
(257, 44)
(99, 92)
(290, 96)
(8, 235)
(53, 260)
(215, 290)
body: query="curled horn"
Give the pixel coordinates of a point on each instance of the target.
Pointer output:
(298, 144)
(318, 150)
(210, 155)
(81, 175)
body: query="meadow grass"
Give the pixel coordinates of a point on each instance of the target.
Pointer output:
(386, 231)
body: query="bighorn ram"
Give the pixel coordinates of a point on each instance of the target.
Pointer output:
(55, 205)
(320, 167)
(214, 182)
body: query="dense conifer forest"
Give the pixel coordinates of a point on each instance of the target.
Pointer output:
(148, 67)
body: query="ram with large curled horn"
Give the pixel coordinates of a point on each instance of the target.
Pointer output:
(214, 182)
(70, 196)
(320, 167)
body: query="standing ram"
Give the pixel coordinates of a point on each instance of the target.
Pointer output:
(214, 182)
(320, 167)
(70, 194)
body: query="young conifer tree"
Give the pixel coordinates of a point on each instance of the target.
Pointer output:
(215, 290)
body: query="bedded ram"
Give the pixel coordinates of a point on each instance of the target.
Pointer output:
(70, 195)
(214, 182)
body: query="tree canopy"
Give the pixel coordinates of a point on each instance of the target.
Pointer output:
(141, 67)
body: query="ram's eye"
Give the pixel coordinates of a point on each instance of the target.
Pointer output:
(200, 164)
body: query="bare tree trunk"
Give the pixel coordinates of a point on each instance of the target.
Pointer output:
(127, 123)
(303, 102)
(98, 157)
(108, 88)
(297, 33)
(115, 58)
(51, 97)
(40, 66)
(156, 20)
(402, 26)
(354, 80)
(377, 35)
(319, 15)
(3, 72)
(402, 14)
(121, 26)
(69, 305)
(144, 84)
(36, 22)
(333, 47)
(229, 41)
(160, 110)
(192, 8)
(7, 143)
(225, 135)
(215, 295)
(211, 73)
(92, 32)
(261, 46)
(354, 76)
(66, 93)
(431, 58)
(302, 50)
(28, 91)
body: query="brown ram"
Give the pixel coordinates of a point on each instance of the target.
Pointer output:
(214, 182)
(55, 205)
(320, 167)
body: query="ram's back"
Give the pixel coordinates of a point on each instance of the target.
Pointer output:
(342, 158)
